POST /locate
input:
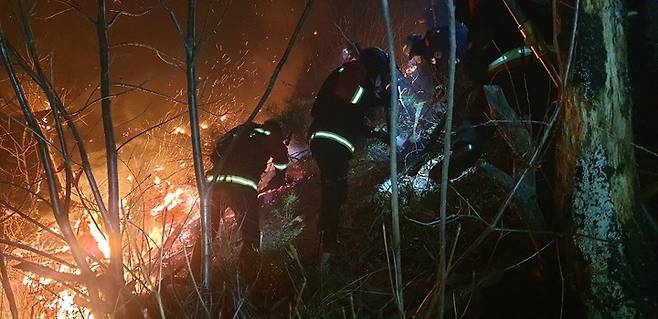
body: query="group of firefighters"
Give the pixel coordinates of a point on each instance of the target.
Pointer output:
(338, 114)
(338, 120)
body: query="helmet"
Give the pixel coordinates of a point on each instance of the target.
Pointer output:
(376, 61)
(273, 125)
(414, 46)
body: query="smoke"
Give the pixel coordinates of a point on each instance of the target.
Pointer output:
(234, 66)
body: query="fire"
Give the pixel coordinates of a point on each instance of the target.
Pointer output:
(66, 307)
(179, 130)
(170, 201)
(103, 245)
(176, 204)
(158, 211)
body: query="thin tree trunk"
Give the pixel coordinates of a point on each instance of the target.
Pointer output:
(39, 76)
(206, 240)
(395, 207)
(191, 48)
(6, 286)
(113, 222)
(29, 39)
(61, 216)
(452, 61)
(596, 167)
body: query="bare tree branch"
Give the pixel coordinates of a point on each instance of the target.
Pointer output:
(58, 108)
(122, 12)
(18, 212)
(113, 221)
(48, 273)
(173, 18)
(74, 6)
(37, 252)
(395, 206)
(164, 57)
(60, 216)
(6, 284)
(27, 30)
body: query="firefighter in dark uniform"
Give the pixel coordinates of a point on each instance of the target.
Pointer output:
(338, 119)
(236, 185)
(435, 45)
(434, 49)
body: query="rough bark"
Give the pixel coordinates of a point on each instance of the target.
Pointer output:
(596, 166)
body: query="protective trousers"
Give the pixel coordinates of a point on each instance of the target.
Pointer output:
(243, 201)
(333, 160)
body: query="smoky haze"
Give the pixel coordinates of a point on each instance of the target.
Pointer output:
(234, 66)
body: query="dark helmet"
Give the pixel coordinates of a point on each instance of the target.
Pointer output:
(376, 61)
(273, 125)
(415, 45)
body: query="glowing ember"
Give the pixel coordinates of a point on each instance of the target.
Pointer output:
(171, 200)
(179, 130)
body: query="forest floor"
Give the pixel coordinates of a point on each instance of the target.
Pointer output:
(511, 276)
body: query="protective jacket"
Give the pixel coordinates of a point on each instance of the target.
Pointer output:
(436, 42)
(342, 103)
(248, 158)
(338, 118)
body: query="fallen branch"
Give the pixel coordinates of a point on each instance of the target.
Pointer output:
(524, 196)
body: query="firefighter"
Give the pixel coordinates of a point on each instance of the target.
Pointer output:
(338, 118)
(236, 185)
(433, 49)
(435, 45)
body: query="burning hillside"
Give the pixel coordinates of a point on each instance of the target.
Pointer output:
(327, 159)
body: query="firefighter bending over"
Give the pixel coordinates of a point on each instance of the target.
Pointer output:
(236, 185)
(338, 118)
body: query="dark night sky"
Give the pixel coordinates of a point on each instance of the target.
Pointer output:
(241, 55)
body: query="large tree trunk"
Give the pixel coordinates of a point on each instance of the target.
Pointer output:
(596, 168)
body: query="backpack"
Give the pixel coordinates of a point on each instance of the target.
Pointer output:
(223, 142)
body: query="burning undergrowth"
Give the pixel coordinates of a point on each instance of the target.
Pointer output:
(159, 222)
(156, 227)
